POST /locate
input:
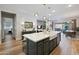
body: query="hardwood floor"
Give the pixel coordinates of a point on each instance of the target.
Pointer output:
(67, 46)
(11, 48)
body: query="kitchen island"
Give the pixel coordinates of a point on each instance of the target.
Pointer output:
(41, 43)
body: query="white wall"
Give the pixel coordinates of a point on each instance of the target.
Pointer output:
(0, 27)
(20, 17)
(77, 22)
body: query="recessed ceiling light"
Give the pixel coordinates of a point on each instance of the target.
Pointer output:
(70, 5)
(53, 11)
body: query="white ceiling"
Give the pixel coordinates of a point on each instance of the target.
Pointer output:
(62, 10)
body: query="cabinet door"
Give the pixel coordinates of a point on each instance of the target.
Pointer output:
(58, 38)
(24, 45)
(46, 46)
(31, 48)
(53, 44)
(40, 48)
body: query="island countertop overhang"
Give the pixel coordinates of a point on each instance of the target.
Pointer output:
(41, 35)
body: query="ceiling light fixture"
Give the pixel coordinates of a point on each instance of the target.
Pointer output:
(70, 5)
(53, 11)
(49, 14)
(44, 17)
(35, 14)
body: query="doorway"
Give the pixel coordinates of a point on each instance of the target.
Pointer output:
(7, 26)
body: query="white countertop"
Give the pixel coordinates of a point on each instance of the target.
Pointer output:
(41, 35)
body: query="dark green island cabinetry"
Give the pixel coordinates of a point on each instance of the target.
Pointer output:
(41, 47)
